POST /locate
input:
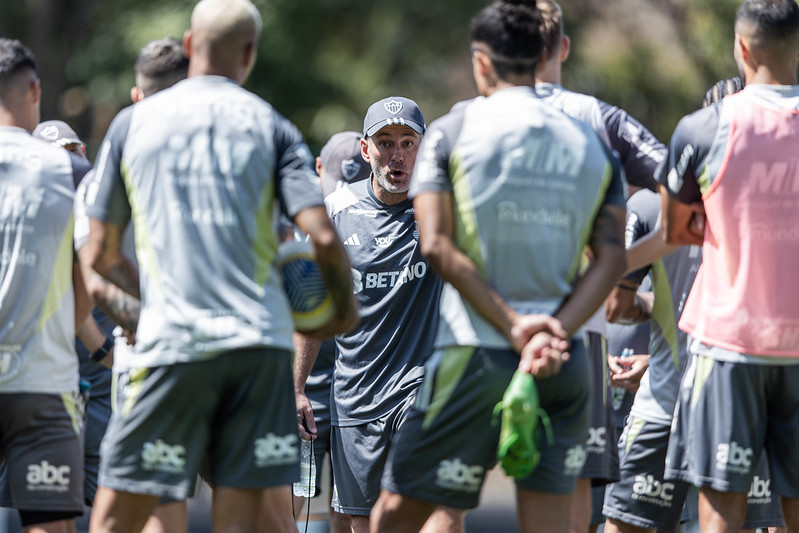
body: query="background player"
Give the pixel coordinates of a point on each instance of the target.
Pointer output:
(488, 201)
(207, 165)
(734, 157)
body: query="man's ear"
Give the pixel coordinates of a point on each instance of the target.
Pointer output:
(35, 91)
(136, 94)
(187, 43)
(365, 150)
(565, 48)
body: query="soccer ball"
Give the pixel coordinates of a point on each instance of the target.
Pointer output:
(309, 299)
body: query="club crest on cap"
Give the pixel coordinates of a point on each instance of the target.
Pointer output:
(349, 169)
(393, 107)
(50, 133)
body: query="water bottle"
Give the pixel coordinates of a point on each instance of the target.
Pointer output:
(306, 487)
(617, 393)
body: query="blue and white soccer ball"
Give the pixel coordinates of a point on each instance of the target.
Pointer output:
(310, 301)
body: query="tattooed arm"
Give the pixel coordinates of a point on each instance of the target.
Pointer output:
(115, 303)
(103, 253)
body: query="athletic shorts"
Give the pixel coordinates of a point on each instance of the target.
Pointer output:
(449, 441)
(726, 415)
(358, 454)
(41, 443)
(602, 459)
(762, 505)
(642, 497)
(597, 499)
(98, 412)
(234, 416)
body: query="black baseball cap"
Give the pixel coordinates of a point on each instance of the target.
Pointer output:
(393, 110)
(342, 161)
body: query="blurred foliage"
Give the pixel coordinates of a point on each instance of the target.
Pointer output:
(322, 62)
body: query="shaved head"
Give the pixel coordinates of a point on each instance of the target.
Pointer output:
(223, 33)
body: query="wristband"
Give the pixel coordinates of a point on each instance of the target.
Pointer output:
(103, 350)
(627, 287)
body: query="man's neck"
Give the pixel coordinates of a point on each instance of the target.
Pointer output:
(549, 72)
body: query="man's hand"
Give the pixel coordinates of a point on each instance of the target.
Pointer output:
(544, 355)
(526, 326)
(626, 372)
(305, 421)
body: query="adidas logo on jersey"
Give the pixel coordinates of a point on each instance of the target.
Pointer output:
(649, 490)
(733, 458)
(353, 240)
(159, 456)
(454, 474)
(574, 461)
(274, 450)
(44, 477)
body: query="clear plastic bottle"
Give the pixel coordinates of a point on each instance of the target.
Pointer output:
(306, 487)
(617, 393)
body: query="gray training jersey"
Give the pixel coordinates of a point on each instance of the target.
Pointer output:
(525, 201)
(203, 169)
(640, 152)
(672, 278)
(37, 317)
(380, 362)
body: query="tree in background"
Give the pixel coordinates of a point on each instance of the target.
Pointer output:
(322, 61)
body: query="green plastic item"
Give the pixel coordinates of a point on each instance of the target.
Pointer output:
(518, 450)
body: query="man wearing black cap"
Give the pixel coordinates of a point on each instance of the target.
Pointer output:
(379, 364)
(340, 162)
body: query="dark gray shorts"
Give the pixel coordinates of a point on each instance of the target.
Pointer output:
(642, 497)
(602, 460)
(726, 415)
(449, 441)
(41, 444)
(232, 416)
(762, 505)
(358, 455)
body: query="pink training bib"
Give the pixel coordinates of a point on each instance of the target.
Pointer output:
(746, 294)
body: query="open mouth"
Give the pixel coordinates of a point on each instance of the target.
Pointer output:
(397, 174)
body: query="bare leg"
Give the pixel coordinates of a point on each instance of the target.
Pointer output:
(445, 520)
(721, 512)
(396, 514)
(58, 526)
(542, 511)
(790, 512)
(580, 512)
(168, 518)
(339, 523)
(615, 526)
(120, 512)
(360, 524)
(251, 510)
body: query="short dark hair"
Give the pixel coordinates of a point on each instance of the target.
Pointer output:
(774, 21)
(14, 58)
(161, 64)
(511, 29)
